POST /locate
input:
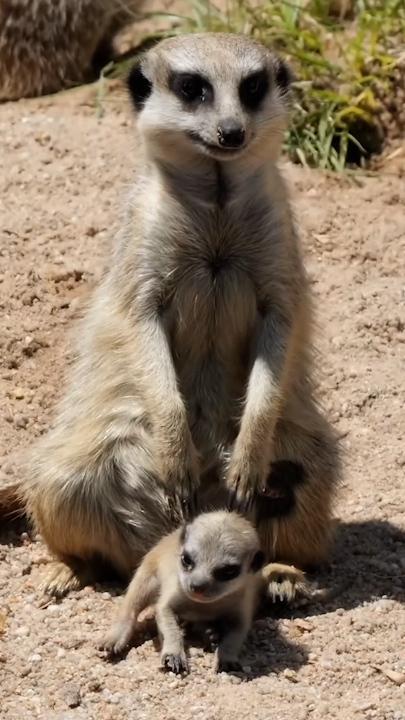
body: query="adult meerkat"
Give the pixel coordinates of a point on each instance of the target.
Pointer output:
(47, 45)
(206, 571)
(193, 376)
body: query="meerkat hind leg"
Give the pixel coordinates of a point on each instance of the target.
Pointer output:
(62, 577)
(140, 595)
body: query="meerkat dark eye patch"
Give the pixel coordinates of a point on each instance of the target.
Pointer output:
(253, 89)
(191, 88)
(226, 572)
(187, 561)
(139, 87)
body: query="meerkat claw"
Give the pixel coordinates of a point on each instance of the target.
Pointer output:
(175, 663)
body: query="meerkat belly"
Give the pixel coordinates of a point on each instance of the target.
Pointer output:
(213, 318)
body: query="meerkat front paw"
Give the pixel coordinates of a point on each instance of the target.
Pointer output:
(176, 663)
(245, 477)
(182, 478)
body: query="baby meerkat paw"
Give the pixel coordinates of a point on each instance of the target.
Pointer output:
(175, 663)
(117, 641)
(284, 583)
(226, 664)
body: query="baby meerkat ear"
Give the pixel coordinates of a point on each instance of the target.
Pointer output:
(139, 86)
(257, 562)
(283, 75)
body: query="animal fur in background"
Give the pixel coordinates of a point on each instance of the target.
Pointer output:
(47, 45)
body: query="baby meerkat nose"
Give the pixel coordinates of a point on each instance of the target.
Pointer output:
(230, 134)
(198, 587)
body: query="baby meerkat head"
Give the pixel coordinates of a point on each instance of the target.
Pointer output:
(218, 552)
(213, 94)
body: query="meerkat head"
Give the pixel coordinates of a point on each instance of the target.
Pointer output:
(218, 551)
(214, 94)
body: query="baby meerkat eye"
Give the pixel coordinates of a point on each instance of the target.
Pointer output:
(190, 87)
(226, 572)
(253, 89)
(187, 561)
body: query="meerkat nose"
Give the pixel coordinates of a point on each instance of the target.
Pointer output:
(230, 134)
(198, 587)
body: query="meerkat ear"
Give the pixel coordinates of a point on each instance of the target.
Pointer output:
(139, 86)
(283, 75)
(257, 562)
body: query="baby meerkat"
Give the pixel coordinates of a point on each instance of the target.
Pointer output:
(47, 45)
(193, 375)
(206, 571)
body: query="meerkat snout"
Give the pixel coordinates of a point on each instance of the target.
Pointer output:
(218, 551)
(230, 134)
(199, 97)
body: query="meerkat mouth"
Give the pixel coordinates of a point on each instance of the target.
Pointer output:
(214, 149)
(201, 597)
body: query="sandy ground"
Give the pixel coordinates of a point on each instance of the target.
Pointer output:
(62, 179)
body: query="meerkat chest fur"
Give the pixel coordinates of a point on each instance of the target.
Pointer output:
(210, 243)
(213, 288)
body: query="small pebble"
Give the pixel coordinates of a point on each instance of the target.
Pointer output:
(71, 696)
(290, 675)
(233, 679)
(95, 686)
(35, 658)
(365, 705)
(265, 690)
(53, 609)
(21, 421)
(22, 631)
(196, 652)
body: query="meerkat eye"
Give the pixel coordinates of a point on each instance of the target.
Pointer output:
(187, 561)
(227, 572)
(190, 87)
(253, 89)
